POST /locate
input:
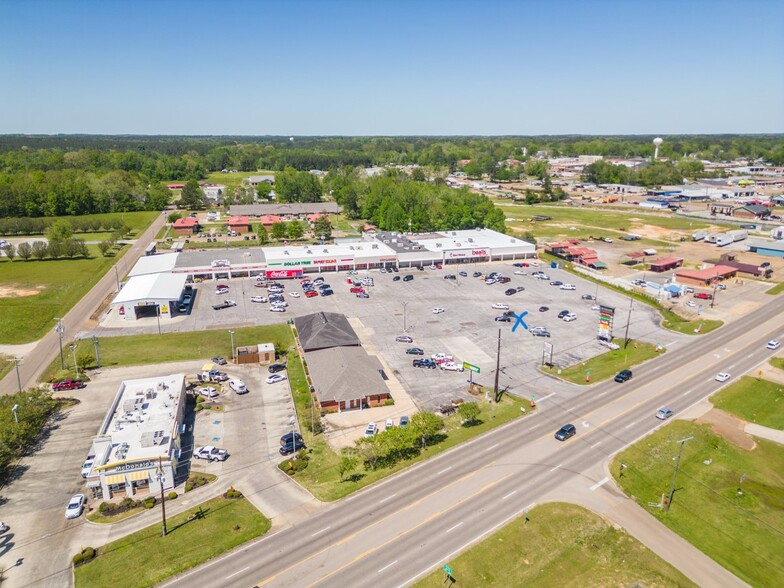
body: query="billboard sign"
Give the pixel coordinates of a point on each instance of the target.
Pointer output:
(289, 273)
(606, 318)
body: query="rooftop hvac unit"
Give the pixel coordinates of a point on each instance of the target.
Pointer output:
(285, 253)
(324, 251)
(351, 248)
(453, 233)
(438, 245)
(470, 239)
(375, 246)
(458, 244)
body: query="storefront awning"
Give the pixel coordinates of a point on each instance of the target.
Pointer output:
(116, 479)
(136, 476)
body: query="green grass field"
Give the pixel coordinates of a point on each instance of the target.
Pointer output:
(754, 400)
(52, 287)
(560, 545)
(322, 478)
(741, 531)
(777, 362)
(677, 323)
(145, 558)
(607, 364)
(777, 289)
(235, 179)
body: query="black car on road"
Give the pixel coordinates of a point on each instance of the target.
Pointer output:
(623, 376)
(565, 432)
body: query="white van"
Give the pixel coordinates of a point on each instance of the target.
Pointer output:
(238, 386)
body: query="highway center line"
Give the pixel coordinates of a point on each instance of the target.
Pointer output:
(444, 471)
(685, 393)
(630, 425)
(386, 566)
(600, 483)
(556, 467)
(237, 572)
(602, 394)
(510, 494)
(548, 396)
(388, 497)
(596, 444)
(492, 447)
(320, 532)
(450, 529)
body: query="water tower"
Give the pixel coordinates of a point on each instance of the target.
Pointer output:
(656, 142)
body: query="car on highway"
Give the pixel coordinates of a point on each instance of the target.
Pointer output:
(663, 413)
(565, 432)
(219, 360)
(371, 429)
(438, 310)
(275, 378)
(87, 466)
(544, 308)
(568, 287)
(75, 506)
(259, 299)
(211, 453)
(623, 376)
(773, 344)
(415, 351)
(68, 385)
(722, 377)
(404, 339)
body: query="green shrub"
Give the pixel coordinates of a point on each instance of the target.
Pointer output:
(85, 555)
(389, 402)
(199, 407)
(128, 503)
(149, 502)
(172, 495)
(188, 487)
(105, 507)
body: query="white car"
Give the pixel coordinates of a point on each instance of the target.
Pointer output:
(258, 299)
(389, 423)
(773, 344)
(294, 294)
(568, 287)
(275, 378)
(596, 307)
(220, 291)
(722, 377)
(371, 430)
(277, 309)
(438, 310)
(521, 273)
(441, 357)
(282, 303)
(691, 303)
(500, 306)
(75, 506)
(570, 317)
(451, 366)
(87, 466)
(207, 391)
(211, 453)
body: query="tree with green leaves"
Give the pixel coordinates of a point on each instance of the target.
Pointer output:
(25, 250)
(294, 186)
(263, 235)
(295, 230)
(191, 196)
(323, 227)
(60, 230)
(104, 247)
(469, 412)
(40, 250)
(348, 463)
(424, 427)
(279, 231)
(10, 251)
(263, 190)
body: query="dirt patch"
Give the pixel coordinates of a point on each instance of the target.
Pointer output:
(729, 427)
(12, 292)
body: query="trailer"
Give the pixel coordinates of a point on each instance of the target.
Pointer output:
(699, 235)
(724, 240)
(738, 235)
(711, 237)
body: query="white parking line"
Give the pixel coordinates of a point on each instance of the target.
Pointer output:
(237, 572)
(450, 529)
(510, 494)
(320, 532)
(556, 467)
(600, 483)
(386, 566)
(388, 498)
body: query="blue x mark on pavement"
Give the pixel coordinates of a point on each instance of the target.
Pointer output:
(520, 321)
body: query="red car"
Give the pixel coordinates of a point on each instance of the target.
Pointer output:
(311, 294)
(703, 296)
(68, 385)
(356, 290)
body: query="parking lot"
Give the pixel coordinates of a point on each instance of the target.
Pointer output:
(466, 329)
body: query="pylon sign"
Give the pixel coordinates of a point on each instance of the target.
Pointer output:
(606, 318)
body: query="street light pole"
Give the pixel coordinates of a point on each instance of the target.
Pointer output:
(404, 316)
(675, 473)
(60, 330)
(497, 367)
(97, 351)
(158, 316)
(14, 408)
(715, 284)
(18, 379)
(628, 320)
(117, 277)
(73, 347)
(232, 344)
(163, 497)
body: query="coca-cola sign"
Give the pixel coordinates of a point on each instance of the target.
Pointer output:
(292, 273)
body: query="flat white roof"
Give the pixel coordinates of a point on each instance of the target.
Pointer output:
(470, 239)
(154, 264)
(356, 250)
(145, 417)
(164, 287)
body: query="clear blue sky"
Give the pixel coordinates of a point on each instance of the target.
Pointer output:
(398, 67)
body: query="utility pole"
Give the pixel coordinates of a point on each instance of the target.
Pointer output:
(231, 333)
(60, 330)
(163, 496)
(628, 321)
(73, 347)
(158, 316)
(404, 316)
(18, 379)
(97, 351)
(497, 367)
(682, 442)
(715, 285)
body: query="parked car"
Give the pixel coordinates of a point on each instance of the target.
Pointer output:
(223, 290)
(562, 314)
(292, 446)
(224, 304)
(520, 288)
(259, 299)
(277, 309)
(356, 290)
(328, 292)
(238, 386)
(722, 377)
(208, 392)
(275, 378)
(451, 366)
(396, 279)
(477, 274)
(290, 437)
(294, 294)
(311, 294)
(623, 376)
(438, 310)
(217, 376)
(500, 306)
(568, 287)
(663, 413)
(503, 319)
(274, 368)
(463, 274)
(521, 273)
(565, 432)
(570, 317)
(219, 360)
(371, 430)
(68, 385)
(4, 527)
(363, 295)
(389, 423)
(404, 339)
(87, 466)
(510, 291)
(404, 420)
(703, 296)
(211, 453)
(588, 297)
(424, 363)
(540, 332)
(556, 283)
(75, 506)
(414, 351)
(544, 308)
(408, 278)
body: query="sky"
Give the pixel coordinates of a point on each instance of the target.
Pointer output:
(391, 67)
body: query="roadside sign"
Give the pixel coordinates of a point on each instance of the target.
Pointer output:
(448, 570)
(469, 366)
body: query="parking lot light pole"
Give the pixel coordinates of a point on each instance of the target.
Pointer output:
(404, 316)
(73, 347)
(18, 379)
(117, 277)
(163, 497)
(60, 330)
(232, 344)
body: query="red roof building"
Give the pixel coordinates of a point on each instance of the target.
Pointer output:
(705, 277)
(186, 226)
(175, 186)
(665, 264)
(239, 224)
(267, 220)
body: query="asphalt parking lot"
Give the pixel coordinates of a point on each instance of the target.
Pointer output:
(467, 329)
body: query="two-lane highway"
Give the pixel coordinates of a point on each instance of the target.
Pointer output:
(403, 527)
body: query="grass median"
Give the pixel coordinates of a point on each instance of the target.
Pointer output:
(607, 364)
(777, 289)
(728, 502)
(322, 478)
(145, 558)
(558, 544)
(754, 400)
